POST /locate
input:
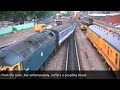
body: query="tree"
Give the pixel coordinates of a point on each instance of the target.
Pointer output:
(17, 16)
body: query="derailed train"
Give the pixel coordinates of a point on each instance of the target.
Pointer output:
(32, 53)
(107, 44)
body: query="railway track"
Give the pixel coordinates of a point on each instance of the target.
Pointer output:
(72, 60)
(78, 67)
(73, 66)
(107, 74)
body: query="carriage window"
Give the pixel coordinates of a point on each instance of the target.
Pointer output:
(108, 50)
(105, 46)
(111, 52)
(116, 59)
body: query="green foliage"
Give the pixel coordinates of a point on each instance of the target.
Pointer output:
(22, 15)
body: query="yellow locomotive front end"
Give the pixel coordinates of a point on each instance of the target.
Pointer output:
(16, 67)
(83, 27)
(11, 72)
(40, 27)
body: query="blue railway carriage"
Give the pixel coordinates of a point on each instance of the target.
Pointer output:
(29, 54)
(63, 32)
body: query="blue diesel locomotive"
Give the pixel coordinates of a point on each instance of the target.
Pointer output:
(32, 53)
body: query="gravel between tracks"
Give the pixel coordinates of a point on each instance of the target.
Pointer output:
(90, 59)
(57, 63)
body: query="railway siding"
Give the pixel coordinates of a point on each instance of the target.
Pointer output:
(72, 60)
(90, 59)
